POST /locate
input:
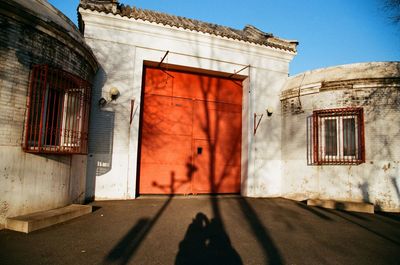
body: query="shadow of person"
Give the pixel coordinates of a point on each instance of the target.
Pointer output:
(192, 249)
(218, 244)
(206, 242)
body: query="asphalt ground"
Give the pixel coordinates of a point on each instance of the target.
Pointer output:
(209, 230)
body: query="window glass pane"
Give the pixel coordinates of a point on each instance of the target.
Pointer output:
(51, 118)
(35, 112)
(349, 137)
(330, 137)
(72, 121)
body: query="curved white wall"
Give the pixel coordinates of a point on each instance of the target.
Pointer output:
(376, 88)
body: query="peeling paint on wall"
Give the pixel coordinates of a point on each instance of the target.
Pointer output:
(3, 209)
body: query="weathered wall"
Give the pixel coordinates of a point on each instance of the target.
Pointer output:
(34, 182)
(122, 45)
(376, 88)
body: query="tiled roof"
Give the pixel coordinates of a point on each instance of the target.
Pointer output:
(249, 33)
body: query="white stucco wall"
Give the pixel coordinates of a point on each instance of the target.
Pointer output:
(121, 45)
(376, 88)
(34, 182)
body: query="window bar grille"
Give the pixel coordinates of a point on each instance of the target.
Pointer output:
(74, 99)
(37, 106)
(54, 100)
(315, 140)
(63, 87)
(64, 132)
(309, 139)
(336, 136)
(344, 131)
(71, 140)
(362, 135)
(339, 152)
(57, 112)
(68, 117)
(85, 126)
(42, 106)
(59, 85)
(347, 137)
(29, 103)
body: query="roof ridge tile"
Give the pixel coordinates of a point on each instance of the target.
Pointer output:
(249, 33)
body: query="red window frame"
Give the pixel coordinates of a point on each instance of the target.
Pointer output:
(57, 112)
(336, 137)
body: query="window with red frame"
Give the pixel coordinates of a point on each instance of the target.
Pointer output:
(336, 136)
(58, 112)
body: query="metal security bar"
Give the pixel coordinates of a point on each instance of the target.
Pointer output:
(336, 137)
(58, 112)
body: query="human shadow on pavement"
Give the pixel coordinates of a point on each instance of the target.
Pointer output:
(206, 242)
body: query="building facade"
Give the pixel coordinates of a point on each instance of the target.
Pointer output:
(138, 102)
(183, 122)
(320, 134)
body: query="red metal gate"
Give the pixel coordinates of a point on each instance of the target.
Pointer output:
(190, 134)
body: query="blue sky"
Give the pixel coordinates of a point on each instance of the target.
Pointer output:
(330, 32)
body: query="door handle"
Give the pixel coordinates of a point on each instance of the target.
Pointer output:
(199, 150)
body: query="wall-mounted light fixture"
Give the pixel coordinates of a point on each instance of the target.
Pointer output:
(113, 95)
(269, 111)
(258, 117)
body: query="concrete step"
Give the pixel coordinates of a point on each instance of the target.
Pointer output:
(34, 221)
(343, 205)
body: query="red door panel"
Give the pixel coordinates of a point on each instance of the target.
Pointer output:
(192, 85)
(167, 115)
(158, 82)
(165, 145)
(191, 134)
(164, 179)
(212, 120)
(214, 173)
